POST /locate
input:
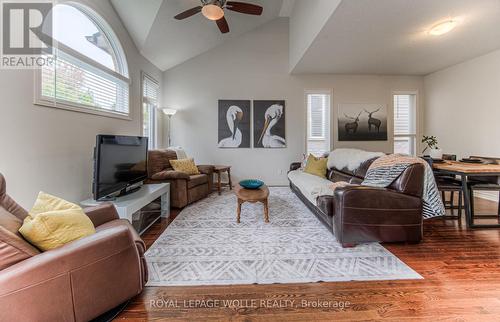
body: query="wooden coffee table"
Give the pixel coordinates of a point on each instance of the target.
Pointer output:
(253, 196)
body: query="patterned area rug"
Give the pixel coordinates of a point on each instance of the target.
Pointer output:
(205, 246)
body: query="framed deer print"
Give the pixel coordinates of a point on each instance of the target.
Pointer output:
(362, 122)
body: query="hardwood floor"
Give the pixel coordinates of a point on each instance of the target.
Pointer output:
(461, 270)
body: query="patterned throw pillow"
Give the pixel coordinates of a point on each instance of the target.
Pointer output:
(185, 165)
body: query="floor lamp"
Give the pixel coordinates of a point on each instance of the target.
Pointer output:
(169, 112)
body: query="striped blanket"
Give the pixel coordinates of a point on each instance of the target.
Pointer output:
(386, 169)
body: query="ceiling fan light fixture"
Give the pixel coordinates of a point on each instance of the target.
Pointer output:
(443, 27)
(212, 12)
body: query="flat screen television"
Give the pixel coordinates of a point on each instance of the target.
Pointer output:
(119, 162)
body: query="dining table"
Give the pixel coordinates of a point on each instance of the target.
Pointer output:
(467, 170)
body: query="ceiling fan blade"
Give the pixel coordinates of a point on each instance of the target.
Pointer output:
(223, 26)
(188, 13)
(243, 7)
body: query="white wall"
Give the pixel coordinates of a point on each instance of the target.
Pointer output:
(462, 107)
(255, 66)
(306, 21)
(50, 149)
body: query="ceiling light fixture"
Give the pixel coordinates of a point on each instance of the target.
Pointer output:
(212, 12)
(443, 27)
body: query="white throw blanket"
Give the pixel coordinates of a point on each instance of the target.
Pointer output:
(350, 158)
(179, 151)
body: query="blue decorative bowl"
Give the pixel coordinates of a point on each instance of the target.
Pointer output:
(251, 184)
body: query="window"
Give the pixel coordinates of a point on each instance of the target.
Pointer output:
(150, 97)
(90, 72)
(405, 123)
(318, 122)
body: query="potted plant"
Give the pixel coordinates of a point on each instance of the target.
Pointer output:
(431, 143)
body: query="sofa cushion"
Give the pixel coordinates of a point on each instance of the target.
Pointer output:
(159, 160)
(8, 203)
(9, 221)
(14, 249)
(196, 180)
(310, 185)
(360, 171)
(169, 175)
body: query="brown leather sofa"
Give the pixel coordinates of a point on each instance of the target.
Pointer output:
(184, 189)
(358, 214)
(76, 282)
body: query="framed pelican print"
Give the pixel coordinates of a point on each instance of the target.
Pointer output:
(269, 124)
(234, 124)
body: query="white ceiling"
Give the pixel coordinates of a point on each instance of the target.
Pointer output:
(167, 42)
(390, 36)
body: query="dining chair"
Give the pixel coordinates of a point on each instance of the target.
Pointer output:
(449, 183)
(488, 183)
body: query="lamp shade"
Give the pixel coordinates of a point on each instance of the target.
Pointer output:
(212, 12)
(169, 111)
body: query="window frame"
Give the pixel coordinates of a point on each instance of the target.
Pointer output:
(328, 127)
(152, 142)
(417, 125)
(119, 56)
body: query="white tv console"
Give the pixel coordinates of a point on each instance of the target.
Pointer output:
(131, 206)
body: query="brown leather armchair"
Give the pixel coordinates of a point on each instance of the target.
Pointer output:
(184, 189)
(76, 282)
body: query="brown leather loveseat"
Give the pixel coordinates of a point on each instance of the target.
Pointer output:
(184, 189)
(76, 282)
(358, 214)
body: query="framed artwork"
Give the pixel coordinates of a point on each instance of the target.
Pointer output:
(234, 124)
(362, 122)
(269, 124)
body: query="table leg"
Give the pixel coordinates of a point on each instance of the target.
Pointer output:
(165, 205)
(238, 213)
(229, 177)
(467, 202)
(266, 210)
(218, 183)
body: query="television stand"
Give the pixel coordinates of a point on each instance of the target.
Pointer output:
(143, 207)
(122, 193)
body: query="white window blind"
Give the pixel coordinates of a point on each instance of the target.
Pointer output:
(150, 100)
(405, 124)
(318, 123)
(317, 111)
(89, 71)
(75, 82)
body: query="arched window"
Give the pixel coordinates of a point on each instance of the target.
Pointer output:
(89, 72)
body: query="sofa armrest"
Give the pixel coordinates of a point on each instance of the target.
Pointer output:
(206, 169)
(365, 197)
(170, 175)
(101, 214)
(295, 166)
(81, 279)
(364, 214)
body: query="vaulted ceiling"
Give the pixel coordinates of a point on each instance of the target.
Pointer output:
(327, 36)
(167, 42)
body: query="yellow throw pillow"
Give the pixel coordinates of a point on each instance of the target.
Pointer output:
(53, 222)
(316, 166)
(185, 165)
